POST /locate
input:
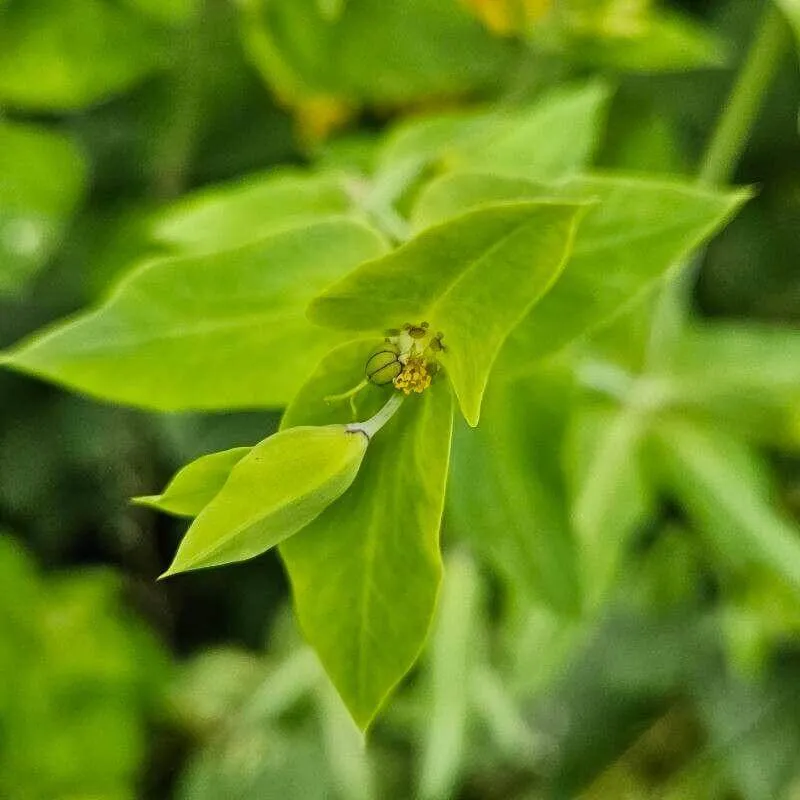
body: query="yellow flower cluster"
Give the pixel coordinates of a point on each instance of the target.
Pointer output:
(414, 376)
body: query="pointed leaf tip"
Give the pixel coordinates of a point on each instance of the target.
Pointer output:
(194, 486)
(473, 277)
(280, 486)
(382, 536)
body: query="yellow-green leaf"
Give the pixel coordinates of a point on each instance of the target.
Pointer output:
(628, 241)
(365, 574)
(196, 484)
(236, 214)
(278, 488)
(472, 278)
(221, 330)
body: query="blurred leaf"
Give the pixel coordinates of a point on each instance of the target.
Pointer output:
(641, 137)
(753, 729)
(661, 764)
(451, 665)
(665, 42)
(80, 677)
(791, 8)
(277, 489)
(65, 54)
(224, 330)
(521, 144)
(420, 49)
(518, 140)
(452, 195)
(230, 216)
(743, 373)
(620, 682)
(664, 574)
(348, 759)
(759, 615)
(626, 243)
(331, 9)
(258, 762)
(365, 575)
(726, 490)
(42, 179)
(610, 496)
(472, 278)
(214, 683)
(196, 484)
(249, 713)
(607, 17)
(506, 494)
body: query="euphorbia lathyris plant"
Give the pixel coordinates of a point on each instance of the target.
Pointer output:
(369, 347)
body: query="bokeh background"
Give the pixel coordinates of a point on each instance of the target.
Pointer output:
(114, 686)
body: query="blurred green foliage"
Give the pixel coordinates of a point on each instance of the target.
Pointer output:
(81, 680)
(621, 606)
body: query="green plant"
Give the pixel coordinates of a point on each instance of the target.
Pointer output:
(478, 248)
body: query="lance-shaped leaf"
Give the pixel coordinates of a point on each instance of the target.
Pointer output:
(278, 488)
(472, 278)
(365, 574)
(625, 245)
(224, 330)
(518, 141)
(195, 485)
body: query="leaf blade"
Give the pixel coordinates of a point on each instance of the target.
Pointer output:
(235, 214)
(212, 331)
(194, 486)
(275, 490)
(382, 538)
(637, 231)
(472, 278)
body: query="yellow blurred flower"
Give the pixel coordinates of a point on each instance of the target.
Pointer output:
(506, 17)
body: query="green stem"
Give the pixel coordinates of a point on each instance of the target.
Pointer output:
(719, 163)
(335, 398)
(733, 130)
(374, 424)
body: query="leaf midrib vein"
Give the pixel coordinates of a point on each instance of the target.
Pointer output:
(473, 264)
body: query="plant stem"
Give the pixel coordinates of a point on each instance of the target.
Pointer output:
(732, 132)
(719, 163)
(374, 424)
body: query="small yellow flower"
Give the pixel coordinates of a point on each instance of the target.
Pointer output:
(414, 377)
